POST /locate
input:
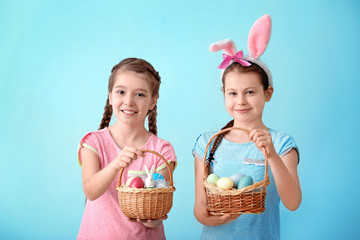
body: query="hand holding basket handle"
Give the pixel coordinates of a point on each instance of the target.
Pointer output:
(146, 203)
(250, 199)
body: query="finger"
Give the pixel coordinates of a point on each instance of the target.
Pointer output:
(261, 140)
(140, 153)
(225, 216)
(252, 132)
(258, 134)
(135, 151)
(131, 219)
(141, 221)
(230, 217)
(130, 155)
(125, 159)
(123, 164)
(255, 133)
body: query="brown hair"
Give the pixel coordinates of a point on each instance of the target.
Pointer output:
(235, 66)
(139, 66)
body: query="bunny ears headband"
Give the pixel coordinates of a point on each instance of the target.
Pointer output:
(258, 40)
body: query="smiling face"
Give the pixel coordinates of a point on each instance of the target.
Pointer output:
(131, 97)
(245, 98)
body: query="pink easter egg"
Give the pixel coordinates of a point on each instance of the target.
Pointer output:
(137, 182)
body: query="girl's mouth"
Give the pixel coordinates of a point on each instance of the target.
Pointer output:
(243, 110)
(128, 112)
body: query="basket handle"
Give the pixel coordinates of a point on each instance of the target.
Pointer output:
(157, 154)
(226, 130)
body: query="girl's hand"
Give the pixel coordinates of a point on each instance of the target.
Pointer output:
(262, 139)
(225, 218)
(150, 223)
(127, 155)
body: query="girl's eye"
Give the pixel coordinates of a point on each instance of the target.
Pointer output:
(120, 92)
(232, 93)
(250, 92)
(140, 95)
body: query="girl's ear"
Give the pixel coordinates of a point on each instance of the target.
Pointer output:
(110, 100)
(268, 94)
(153, 103)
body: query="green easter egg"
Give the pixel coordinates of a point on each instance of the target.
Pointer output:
(213, 178)
(245, 181)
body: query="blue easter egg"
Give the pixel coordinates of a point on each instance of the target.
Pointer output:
(236, 178)
(245, 181)
(160, 183)
(157, 176)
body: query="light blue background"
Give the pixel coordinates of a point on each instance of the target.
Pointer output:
(55, 59)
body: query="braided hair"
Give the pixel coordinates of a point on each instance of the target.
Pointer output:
(139, 66)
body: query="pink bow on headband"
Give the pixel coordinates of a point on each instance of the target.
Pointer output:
(237, 57)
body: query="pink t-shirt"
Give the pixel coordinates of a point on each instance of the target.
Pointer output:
(102, 217)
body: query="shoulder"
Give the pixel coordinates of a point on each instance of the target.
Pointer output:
(160, 145)
(201, 142)
(163, 147)
(283, 142)
(280, 137)
(155, 140)
(95, 139)
(205, 137)
(98, 134)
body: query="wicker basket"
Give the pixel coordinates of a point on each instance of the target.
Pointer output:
(250, 199)
(141, 203)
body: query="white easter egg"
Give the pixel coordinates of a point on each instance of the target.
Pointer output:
(225, 183)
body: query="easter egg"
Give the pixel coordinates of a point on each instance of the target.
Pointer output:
(236, 178)
(212, 178)
(245, 181)
(160, 183)
(225, 183)
(157, 176)
(129, 181)
(137, 182)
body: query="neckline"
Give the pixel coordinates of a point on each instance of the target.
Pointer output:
(245, 143)
(118, 148)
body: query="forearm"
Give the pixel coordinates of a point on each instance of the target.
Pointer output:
(287, 183)
(97, 184)
(200, 209)
(203, 216)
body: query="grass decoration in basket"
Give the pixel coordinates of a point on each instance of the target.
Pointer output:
(250, 199)
(146, 203)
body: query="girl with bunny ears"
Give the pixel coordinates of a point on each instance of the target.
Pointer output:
(133, 92)
(247, 86)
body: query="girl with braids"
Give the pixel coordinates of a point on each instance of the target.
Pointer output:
(133, 92)
(247, 86)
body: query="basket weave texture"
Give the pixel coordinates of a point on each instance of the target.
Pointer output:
(142, 203)
(250, 199)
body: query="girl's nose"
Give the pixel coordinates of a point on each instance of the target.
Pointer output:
(242, 99)
(129, 100)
